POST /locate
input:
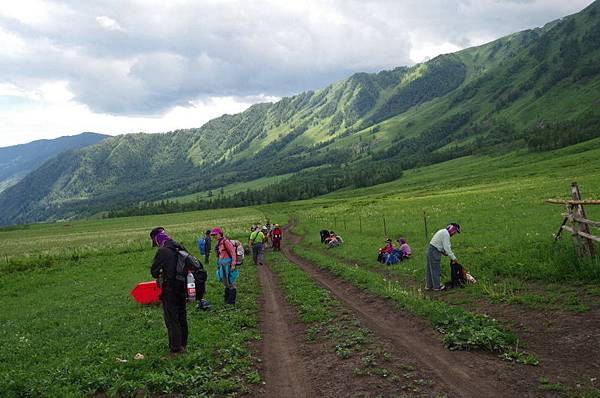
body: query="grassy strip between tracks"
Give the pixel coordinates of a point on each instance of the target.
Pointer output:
(461, 330)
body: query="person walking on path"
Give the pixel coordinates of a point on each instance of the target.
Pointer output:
(173, 294)
(439, 245)
(227, 272)
(256, 242)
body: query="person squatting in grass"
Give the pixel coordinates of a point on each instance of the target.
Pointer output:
(227, 272)
(256, 243)
(439, 245)
(173, 293)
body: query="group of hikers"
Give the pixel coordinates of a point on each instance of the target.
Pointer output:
(389, 254)
(174, 265)
(438, 246)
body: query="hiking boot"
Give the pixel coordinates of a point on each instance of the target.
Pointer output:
(231, 296)
(226, 296)
(203, 305)
(439, 289)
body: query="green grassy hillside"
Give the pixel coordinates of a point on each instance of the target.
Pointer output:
(18, 160)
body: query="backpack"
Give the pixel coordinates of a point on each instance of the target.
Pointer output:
(458, 275)
(239, 251)
(186, 262)
(202, 246)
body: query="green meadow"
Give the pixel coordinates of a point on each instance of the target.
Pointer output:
(69, 327)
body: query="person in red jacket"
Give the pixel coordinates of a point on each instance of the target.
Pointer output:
(276, 236)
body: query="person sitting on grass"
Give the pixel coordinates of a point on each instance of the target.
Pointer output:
(385, 251)
(333, 240)
(404, 248)
(439, 245)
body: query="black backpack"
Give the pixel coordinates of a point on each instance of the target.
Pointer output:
(186, 262)
(458, 275)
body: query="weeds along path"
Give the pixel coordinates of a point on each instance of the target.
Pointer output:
(463, 374)
(283, 369)
(566, 343)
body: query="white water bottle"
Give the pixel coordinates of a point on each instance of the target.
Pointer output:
(191, 287)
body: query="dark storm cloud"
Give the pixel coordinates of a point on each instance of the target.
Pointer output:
(144, 57)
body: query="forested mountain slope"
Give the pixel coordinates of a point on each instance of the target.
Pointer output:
(538, 89)
(18, 160)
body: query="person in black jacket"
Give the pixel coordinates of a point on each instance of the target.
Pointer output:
(173, 295)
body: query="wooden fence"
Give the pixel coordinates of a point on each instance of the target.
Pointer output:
(580, 225)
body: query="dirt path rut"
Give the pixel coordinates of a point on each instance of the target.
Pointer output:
(283, 369)
(463, 374)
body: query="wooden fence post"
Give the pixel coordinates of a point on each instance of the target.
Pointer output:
(384, 227)
(345, 228)
(360, 223)
(587, 246)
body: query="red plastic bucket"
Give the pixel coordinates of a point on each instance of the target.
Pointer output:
(146, 292)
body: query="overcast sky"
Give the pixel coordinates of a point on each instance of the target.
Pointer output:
(121, 66)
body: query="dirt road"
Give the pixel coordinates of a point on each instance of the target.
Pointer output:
(463, 374)
(283, 367)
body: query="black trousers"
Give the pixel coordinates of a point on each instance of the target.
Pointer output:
(174, 310)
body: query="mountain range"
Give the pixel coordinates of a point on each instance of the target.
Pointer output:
(18, 160)
(536, 90)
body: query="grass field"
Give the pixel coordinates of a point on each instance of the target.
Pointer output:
(231, 189)
(68, 326)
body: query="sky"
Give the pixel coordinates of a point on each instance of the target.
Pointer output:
(125, 66)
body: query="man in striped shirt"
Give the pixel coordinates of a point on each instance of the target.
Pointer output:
(439, 245)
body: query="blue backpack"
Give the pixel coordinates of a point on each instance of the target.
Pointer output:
(202, 246)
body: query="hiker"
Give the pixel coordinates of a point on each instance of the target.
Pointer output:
(173, 294)
(324, 234)
(226, 265)
(333, 240)
(204, 246)
(404, 248)
(276, 236)
(255, 242)
(266, 230)
(439, 245)
(385, 251)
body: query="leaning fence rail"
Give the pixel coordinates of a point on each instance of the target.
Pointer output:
(580, 224)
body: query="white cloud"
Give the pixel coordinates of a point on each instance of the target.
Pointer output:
(124, 62)
(108, 23)
(53, 113)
